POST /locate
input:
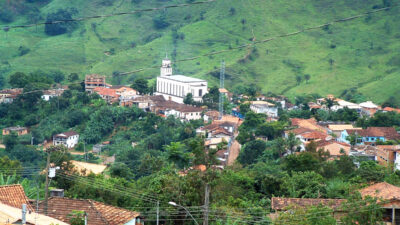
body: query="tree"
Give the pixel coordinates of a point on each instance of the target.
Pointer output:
(371, 171)
(307, 77)
(244, 108)
(292, 142)
(60, 28)
(298, 79)
(18, 80)
(10, 141)
(57, 76)
(251, 152)
(314, 215)
(188, 99)
(304, 185)
(361, 211)
(77, 217)
(141, 85)
(73, 77)
(305, 161)
(160, 22)
(176, 153)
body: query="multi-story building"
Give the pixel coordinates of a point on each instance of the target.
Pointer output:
(68, 139)
(94, 80)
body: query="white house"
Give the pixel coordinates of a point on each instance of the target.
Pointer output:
(48, 94)
(264, 107)
(176, 87)
(68, 139)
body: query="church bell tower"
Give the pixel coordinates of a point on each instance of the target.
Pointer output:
(166, 67)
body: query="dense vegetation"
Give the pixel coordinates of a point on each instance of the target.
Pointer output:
(345, 59)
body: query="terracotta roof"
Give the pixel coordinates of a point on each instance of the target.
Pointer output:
(14, 195)
(164, 105)
(283, 203)
(387, 132)
(221, 131)
(213, 114)
(315, 135)
(333, 147)
(98, 213)
(106, 91)
(389, 147)
(300, 130)
(307, 123)
(119, 86)
(382, 190)
(390, 109)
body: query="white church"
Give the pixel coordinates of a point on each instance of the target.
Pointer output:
(176, 87)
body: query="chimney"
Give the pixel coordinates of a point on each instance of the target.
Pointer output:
(57, 193)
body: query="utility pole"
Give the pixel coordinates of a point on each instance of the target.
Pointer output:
(84, 150)
(46, 193)
(206, 204)
(32, 140)
(158, 212)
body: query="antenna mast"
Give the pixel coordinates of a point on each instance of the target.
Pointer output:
(221, 86)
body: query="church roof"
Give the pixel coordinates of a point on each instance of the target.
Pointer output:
(183, 79)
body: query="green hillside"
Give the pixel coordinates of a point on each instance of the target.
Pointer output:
(363, 53)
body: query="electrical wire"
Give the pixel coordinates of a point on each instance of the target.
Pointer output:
(7, 28)
(268, 39)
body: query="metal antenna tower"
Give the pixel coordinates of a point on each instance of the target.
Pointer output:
(221, 85)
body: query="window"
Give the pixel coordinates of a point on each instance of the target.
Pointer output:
(201, 92)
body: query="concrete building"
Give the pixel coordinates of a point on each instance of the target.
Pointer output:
(18, 130)
(176, 87)
(94, 80)
(68, 139)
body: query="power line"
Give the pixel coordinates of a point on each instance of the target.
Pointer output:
(268, 39)
(7, 28)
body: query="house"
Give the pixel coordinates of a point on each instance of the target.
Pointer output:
(211, 115)
(68, 139)
(388, 155)
(176, 87)
(335, 149)
(370, 135)
(8, 95)
(18, 130)
(265, 108)
(147, 102)
(388, 197)
(336, 129)
(368, 108)
(283, 204)
(341, 104)
(48, 94)
(94, 80)
(228, 95)
(306, 135)
(108, 94)
(97, 213)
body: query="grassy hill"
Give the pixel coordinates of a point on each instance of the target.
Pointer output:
(362, 54)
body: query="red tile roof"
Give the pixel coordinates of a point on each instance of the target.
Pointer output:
(106, 92)
(98, 213)
(283, 203)
(390, 109)
(382, 190)
(14, 195)
(387, 132)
